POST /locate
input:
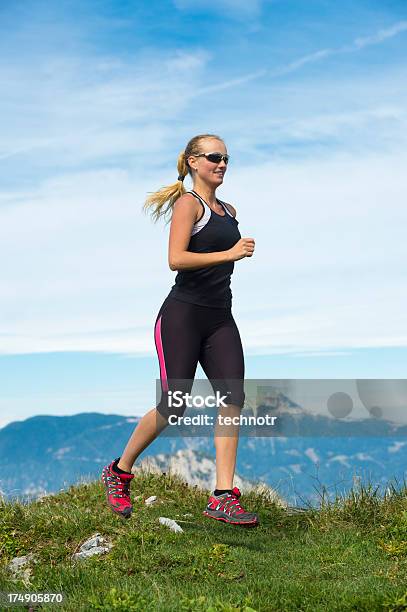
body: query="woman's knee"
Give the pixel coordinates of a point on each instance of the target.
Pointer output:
(237, 398)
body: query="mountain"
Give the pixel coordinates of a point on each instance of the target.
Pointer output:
(306, 455)
(199, 469)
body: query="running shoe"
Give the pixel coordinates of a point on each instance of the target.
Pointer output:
(227, 508)
(117, 490)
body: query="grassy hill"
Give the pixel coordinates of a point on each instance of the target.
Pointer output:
(347, 555)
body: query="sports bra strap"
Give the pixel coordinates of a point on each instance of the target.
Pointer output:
(227, 212)
(197, 196)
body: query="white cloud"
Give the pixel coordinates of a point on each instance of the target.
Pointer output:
(88, 271)
(301, 61)
(356, 45)
(381, 35)
(384, 124)
(80, 114)
(241, 80)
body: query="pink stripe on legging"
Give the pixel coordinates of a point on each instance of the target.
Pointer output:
(160, 350)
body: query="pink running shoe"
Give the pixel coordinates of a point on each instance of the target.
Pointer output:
(117, 490)
(227, 508)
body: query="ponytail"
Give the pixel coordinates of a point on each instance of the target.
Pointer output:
(170, 194)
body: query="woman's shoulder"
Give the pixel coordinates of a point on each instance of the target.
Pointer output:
(188, 201)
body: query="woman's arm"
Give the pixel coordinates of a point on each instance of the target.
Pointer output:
(185, 212)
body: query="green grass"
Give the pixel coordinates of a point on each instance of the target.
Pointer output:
(347, 555)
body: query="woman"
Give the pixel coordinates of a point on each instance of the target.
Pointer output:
(195, 322)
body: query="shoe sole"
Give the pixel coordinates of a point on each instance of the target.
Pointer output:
(123, 516)
(226, 520)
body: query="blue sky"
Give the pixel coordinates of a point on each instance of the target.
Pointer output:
(99, 98)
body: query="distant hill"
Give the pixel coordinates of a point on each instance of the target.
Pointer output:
(198, 469)
(45, 454)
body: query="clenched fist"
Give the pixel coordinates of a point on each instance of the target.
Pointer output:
(243, 248)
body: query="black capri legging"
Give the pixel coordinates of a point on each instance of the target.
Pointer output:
(186, 333)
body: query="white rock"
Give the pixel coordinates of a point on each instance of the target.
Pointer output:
(97, 550)
(96, 545)
(94, 541)
(151, 500)
(19, 568)
(18, 563)
(170, 523)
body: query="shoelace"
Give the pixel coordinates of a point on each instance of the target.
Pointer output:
(117, 485)
(232, 500)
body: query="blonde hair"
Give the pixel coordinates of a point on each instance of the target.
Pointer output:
(170, 194)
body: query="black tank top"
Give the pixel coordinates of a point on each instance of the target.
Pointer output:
(209, 286)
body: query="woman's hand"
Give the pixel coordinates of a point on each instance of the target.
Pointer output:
(243, 248)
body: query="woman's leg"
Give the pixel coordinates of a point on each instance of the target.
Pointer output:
(222, 360)
(226, 442)
(146, 431)
(177, 340)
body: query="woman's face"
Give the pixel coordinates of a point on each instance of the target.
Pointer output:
(208, 171)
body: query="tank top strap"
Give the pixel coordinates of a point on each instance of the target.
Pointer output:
(226, 209)
(192, 192)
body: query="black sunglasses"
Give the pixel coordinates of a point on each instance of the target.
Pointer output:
(215, 158)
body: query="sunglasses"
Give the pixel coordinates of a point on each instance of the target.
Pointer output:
(215, 158)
